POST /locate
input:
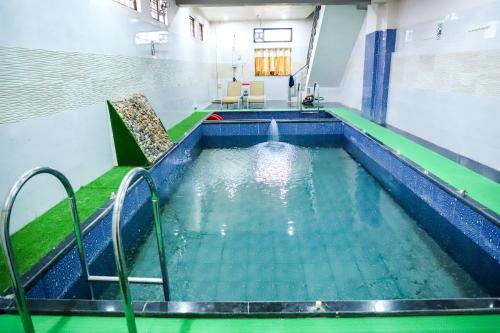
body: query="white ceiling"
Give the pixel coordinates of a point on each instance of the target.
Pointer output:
(247, 13)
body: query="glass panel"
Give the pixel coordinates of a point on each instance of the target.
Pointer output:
(266, 35)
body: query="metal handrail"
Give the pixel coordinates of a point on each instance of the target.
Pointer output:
(121, 267)
(301, 68)
(7, 245)
(313, 33)
(317, 11)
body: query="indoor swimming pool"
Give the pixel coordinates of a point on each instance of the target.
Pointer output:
(269, 217)
(281, 222)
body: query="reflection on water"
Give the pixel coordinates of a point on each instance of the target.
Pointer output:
(280, 222)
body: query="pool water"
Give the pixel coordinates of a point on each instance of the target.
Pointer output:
(279, 222)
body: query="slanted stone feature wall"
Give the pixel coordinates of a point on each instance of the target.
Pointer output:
(144, 125)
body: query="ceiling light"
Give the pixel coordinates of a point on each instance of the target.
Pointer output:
(283, 16)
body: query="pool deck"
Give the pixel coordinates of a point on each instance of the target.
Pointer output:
(479, 188)
(36, 239)
(435, 324)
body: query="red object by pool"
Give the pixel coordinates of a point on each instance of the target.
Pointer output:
(214, 116)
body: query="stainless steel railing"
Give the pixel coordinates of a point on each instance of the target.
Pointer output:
(16, 282)
(123, 279)
(120, 259)
(295, 91)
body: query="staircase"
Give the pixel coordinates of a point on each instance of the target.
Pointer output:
(301, 75)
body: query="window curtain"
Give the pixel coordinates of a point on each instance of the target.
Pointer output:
(273, 62)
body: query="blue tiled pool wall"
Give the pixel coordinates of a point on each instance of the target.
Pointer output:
(447, 219)
(275, 114)
(64, 278)
(377, 67)
(311, 133)
(468, 236)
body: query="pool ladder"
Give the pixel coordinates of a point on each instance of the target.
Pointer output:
(123, 279)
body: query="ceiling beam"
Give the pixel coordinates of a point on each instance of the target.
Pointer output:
(228, 3)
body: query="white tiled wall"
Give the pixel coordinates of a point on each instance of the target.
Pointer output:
(276, 88)
(350, 90)
(60, 61)
(447, 90)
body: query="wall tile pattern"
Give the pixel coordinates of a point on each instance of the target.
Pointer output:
(36, 83)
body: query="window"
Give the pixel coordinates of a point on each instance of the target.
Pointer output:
(156, 10)
(129, 3)
(272, 35)
(200, 31)
(191, 26)
(273, 62)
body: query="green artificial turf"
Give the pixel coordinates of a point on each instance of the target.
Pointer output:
(178, 131)
(423, 324)
(478, 187)
(37, 238)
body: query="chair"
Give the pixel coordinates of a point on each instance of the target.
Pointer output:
(233, 94)
(256, 94)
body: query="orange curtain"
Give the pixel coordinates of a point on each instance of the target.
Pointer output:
(273, 62)
(287, 61)
(270, 65)
(259, 62)
(277, 62)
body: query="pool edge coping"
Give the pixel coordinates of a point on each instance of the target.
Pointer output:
(475, 204)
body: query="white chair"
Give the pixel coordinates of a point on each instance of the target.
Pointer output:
(256, 94)
(233, 94)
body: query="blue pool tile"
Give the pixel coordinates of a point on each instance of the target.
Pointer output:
(324, 291)
(232, 272)
(37, 291)
(468, 221)
(63, 274)
(93, 242)
(287, 255)
(443, 202)
(305, 128)
(383, 289)
(263, 255)
(211, 129)
(261, 291)
(197, 291)
(292, 291)
(424, 188)
(287, 128)
(235, 256)
(263, 128)
(249, 129)
(352, 289)
(288, 272)
(212, 256)
(373, 269)
(410, 178)
(262, 272)
(316, 273)
(236, 241)
(230, 129)
(313, 254)
(231, 291)
(490, 239)
(201, 271)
